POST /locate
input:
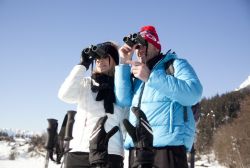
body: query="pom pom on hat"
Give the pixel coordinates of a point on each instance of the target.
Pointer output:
(150, 35)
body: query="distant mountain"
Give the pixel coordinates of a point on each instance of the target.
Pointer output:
(245, 84)
(18, 133)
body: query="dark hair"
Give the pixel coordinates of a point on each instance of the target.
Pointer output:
(111, 49)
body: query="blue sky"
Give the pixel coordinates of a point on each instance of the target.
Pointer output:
(40, 42)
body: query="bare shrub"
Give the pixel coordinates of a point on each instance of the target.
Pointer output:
(13, 155)
(30, 149)
(223, 147)
(38, 141)
(6, 138)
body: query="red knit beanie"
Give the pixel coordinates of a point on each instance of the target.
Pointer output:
(149, 33)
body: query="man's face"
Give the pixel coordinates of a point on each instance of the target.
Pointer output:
(141, 53)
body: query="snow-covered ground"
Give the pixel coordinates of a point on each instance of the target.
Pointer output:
(25, 159)
(35, 162)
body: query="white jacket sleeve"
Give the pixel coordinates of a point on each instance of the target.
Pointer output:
(71, 88)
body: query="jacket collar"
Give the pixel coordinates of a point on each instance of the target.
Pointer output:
(165, 58)
(151, 63)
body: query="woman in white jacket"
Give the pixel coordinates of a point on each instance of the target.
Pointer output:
(95, 98)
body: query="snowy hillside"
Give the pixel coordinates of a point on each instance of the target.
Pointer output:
(20, 154)
(245, 84)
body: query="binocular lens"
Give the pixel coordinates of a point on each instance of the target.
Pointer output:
(125, 39)
(135, 35)
(87, 50)
(134, 39)
(94, 48)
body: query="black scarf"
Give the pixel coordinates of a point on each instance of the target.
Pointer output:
(151, 63)
(105, 90)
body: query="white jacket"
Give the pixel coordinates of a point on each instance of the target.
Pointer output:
(77, 89)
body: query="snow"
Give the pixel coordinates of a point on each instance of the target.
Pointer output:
(208, 161)
(26, 163)
(4, 151)
(245, 84)
(25, 159)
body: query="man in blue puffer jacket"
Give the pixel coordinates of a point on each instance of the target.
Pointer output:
(165, 99)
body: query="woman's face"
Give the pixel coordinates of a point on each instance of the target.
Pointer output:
(104, 65)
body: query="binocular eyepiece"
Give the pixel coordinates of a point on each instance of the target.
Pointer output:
(134, 39)
(95, 52)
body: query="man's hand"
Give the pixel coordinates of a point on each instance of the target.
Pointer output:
(139, 70)
(126, 53)
(142, 137)
(98, 144)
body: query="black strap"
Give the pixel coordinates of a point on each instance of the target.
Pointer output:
(185, 114)
(169, 67)
(170, 71)
(140, 96)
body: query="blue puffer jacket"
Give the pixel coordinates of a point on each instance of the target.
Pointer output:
(163, 101)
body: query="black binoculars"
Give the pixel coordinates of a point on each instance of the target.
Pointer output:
(95, 52)
(134, 39)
